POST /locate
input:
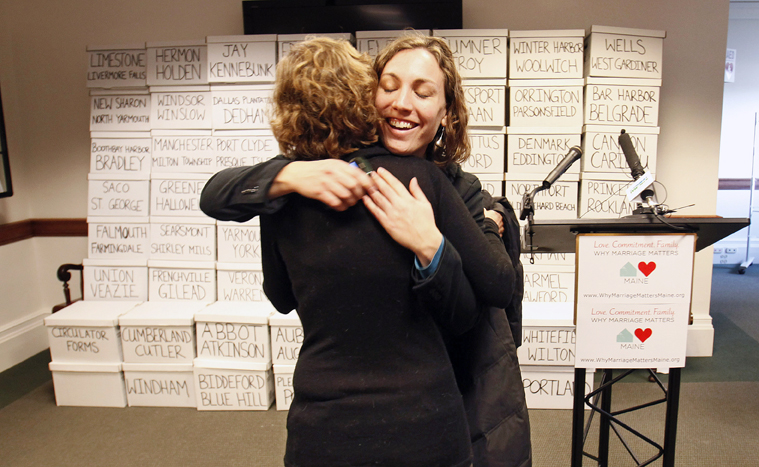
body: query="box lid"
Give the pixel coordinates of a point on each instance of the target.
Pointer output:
(554, 83)
(383, 34)
(547, 314)
(116, 176)
(549, 33)
(242, 87)
(484, 82)
(119, 134)
(182, 220)
(238, 266)
(280, 319)
(627, 31)
(237, 312)
(117, 220)
(301, 37)
(194, 88)
(543, 130)
(118, 92)
(470, 32)
(183, 43)
(646, 130)
(539, 177)
(86, 367)
(115, 263)
(179, 176)
(177, 367)
(93, 313)
(230, 365)
(133, 46)
(606, 176)
(163, 132)
(169, 313)
(608, 81)
(243, 38)
(168, 264)
(283, 368)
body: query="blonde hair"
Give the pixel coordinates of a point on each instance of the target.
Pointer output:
(457, 148)
(323, 100)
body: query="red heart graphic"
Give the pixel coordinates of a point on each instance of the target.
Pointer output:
(643, 335)
(646, 269)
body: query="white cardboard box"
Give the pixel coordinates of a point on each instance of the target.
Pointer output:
(286, 338)
(119, 110)
(241, 107)
(181, 107)
(183, 238)
(478, 53)
(88, 384)
(286, 41)
(87, 331)
(160, 332)
(234, 331)
(183, 151)
(603, 195)
(240, 282)
(557, 202)
(492, 183)
(488, 151)
(159, 384)
(601, 151)
(118, 238)
(239, 242)
(546, 54)
(251, 58)
(372, 42)
(238, 148)
(546, 103)
(177, 63)
(283, 382)
(116, 66)
(622, 101)
(486, 102)
(552, 387)
(548, 334)
(538, 150)
(624, 52)
(106, 279)
(120, 153)
(233, 385)
(549, 284)
(177, 195)
(118, 195)
(181, 280)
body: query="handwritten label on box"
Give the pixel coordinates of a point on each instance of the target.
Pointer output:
(546, 106)
(118, 197)
(116, 68)
(115, 282)
(487, 156)
(183, 154)
(233, 341)
(177, 65)
(539, 153)
(176, 197)
(486, 104)
(120, 112)
(244, 150)
(241, 61)
(181, 110)
(182, 241)
(120, 155)
(242, 109)
(117, 240)
(236, 285)
(621, 105)
(189, 283)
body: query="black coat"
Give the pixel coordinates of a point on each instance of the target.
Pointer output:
(484, 358)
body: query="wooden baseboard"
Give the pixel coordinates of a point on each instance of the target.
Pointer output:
(29, 228)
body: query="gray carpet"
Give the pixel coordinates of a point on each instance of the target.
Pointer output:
(718, 417)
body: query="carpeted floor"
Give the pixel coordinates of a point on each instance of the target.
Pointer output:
(718, 417)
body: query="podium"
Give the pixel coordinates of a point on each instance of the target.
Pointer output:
(561, 236)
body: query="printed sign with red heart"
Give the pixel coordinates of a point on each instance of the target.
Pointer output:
(643, 335)
(646, 268)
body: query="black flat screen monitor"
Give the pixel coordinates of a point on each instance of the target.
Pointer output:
(324, 16)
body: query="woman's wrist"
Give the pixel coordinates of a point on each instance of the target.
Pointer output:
(282, 184)
(428, 247)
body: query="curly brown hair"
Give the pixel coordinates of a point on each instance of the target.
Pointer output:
(323, 100)
(457, 147)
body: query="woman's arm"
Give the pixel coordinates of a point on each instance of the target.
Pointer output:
(402, 214)
(277, 285)
(241, 193)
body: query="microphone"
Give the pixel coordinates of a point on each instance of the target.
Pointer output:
(574, 153)
(633, 161)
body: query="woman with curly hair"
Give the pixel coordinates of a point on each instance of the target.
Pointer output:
(373, 384)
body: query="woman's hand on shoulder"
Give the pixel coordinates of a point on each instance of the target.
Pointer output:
(405, 214)
(496, 217)
(334, 182)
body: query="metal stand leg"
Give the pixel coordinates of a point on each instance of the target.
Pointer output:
(604, 423)
(670, 427)
(578, 417)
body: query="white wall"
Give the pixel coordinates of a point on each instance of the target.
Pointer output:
(741, 103)
(43, 69)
